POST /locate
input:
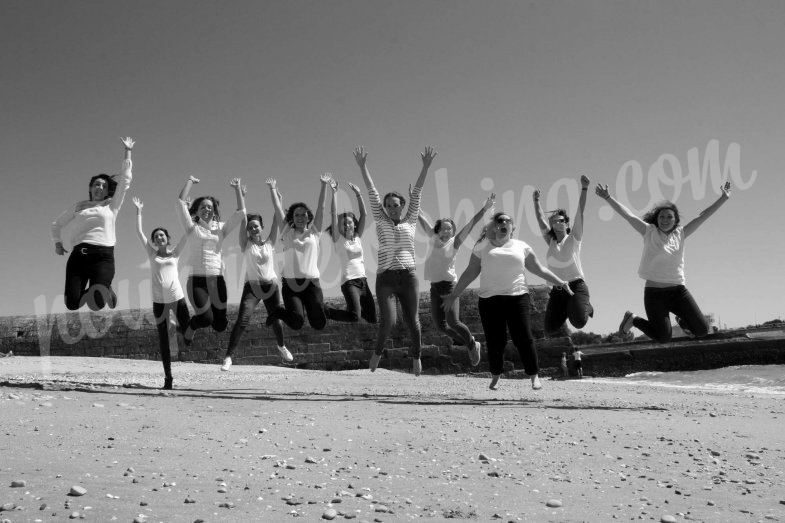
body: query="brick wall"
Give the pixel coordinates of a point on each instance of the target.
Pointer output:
(340, 346)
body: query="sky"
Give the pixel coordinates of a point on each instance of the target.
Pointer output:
(513, 96)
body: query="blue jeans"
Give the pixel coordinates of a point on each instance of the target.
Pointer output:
(161, 312)
(659, 303)
(253, 293)
(500, 313)
(448, 322)
(401, 284)
(359, 303)
(562, 306)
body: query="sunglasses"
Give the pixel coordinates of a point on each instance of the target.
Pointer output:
(501, 220)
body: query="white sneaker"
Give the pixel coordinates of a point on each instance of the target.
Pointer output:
(536, 385)
(474, 354)
(626, 322)
(227, 364)
(285, 354)
(417, 367)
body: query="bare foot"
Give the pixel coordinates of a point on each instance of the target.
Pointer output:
(494, 381)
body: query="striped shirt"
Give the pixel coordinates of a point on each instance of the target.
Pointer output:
(396, 242)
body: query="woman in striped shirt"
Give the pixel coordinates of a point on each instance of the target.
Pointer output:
(396, 263)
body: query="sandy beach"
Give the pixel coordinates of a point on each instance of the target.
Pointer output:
(95, 439)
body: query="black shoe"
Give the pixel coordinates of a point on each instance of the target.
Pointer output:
(168, 383)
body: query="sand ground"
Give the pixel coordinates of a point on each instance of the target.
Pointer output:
(275, 443)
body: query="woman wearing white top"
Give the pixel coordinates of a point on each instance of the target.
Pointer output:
(261, 282)
(206, 286)
(301, 231)
(440, 271)
(396, 277)
(564, 260)
(504, 302)
(346, 230)
(662, 266)
(164, 285)
(90, 268)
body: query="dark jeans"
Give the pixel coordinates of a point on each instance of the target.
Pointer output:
(253, 293)
(660, 302)
(88, 277)
(500, 313)
(207, 295)
(448, 322)
(161, 313)
(562, 306)
(401, 284)
(302, 297)
(359, 303)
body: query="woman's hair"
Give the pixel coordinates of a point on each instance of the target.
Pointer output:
(111, 184)
(341, 218)
(489, 226)
(290, 213)
(254, 217)
(197, 202)
(394, 194)
(654, 212)
(438, 226)
(562, 213)
(168, 237)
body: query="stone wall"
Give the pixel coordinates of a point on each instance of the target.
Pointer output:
(340, 346)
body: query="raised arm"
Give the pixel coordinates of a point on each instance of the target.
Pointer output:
(427, 158)
(334, 234)
(637, 224)
(534, 266)
(424, 221)
(469, 275)
(693, 225)
(577, 223)
(276, 198)
(361, 157)
(186, 190)
(183, 203)
(362, 221)
(545, 227)
(239, 214)
(318, 219)
(128, 143)
(139, 230)
(464, 233)
(242, 231)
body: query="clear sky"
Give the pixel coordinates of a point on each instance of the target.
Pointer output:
(513, 95)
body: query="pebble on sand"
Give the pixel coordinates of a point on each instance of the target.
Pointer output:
(76, 490)
(18, 483)
(553, 503)
(667, 518)
(330, 513)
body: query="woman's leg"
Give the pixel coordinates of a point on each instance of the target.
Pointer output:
(556, 311)
(455, 328)
(408, 291)
(385, 288)
(248, 301)
(437, 313)
(199, 296)
(518, 316)
(101, 273)
(658, 324)
(161, 313)
(293, 313)
(183, 316)
(218, 302)
(494, 325)
(313, 301)
(579, 307)
(684, 306)
(351, 294)
(76, 279)
(367, 305)
(272, 300)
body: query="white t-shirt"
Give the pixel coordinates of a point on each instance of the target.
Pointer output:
(259, 262)
(350, 256)
(502, 268)
(204, 245)
(165, 282)
(564, 258)
(301, 252)
(440, 263)
(662, 259)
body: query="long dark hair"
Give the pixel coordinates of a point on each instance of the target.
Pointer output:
(290, 213)
(111, 185)
(197, 202)
(438, 226)
(341, 217)
(653, 213)
(562, 213)
(394, 194)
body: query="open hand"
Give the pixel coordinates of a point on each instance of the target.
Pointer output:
(354, 188)
(326, 178)
(235, 182)
(271, 182)
(489, 201)
(428, 155)
(360, 156)
(194, 179)
(128, 142)
(139, 204)
(602, 191)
